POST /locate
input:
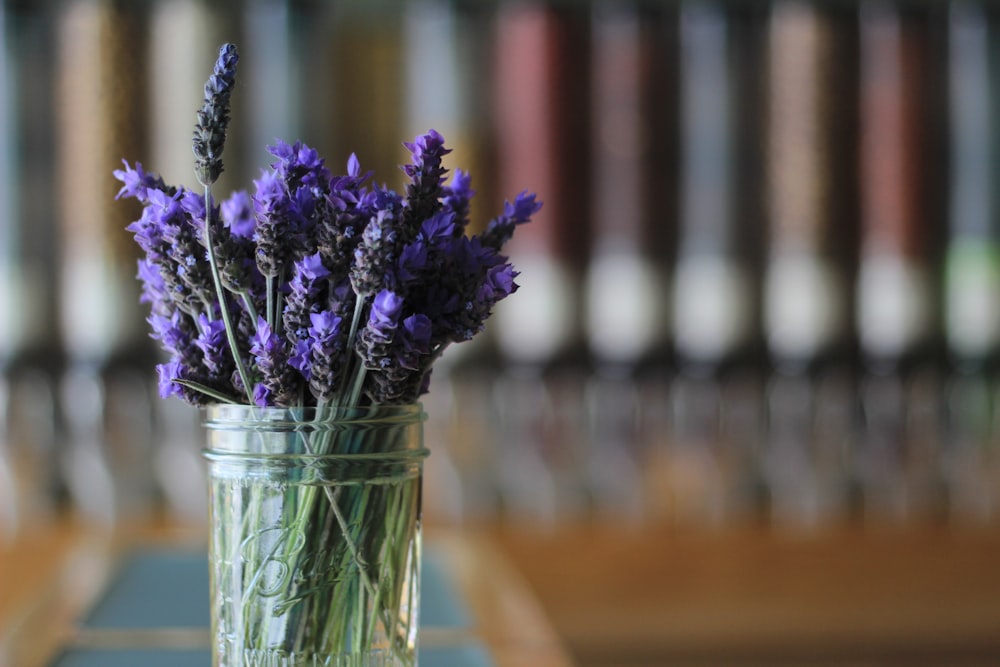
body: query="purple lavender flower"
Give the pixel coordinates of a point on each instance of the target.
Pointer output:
(462, 283)
(313, 252)
(300, 167)
(348, 208)
(384, 316)
(391, 348)
(424, 192)
(234, 245)
(501, 229)
(276, 224)
(457, 196)
(214, 347)
(149, 230)
(167, 329)
(307, 290)
(376, 256)
(154, 288)
(311, 268)
(167, 375)
(415, 341)
(176, 334)
(238, 216)
(489, 279)
(137, 183)
(301, 359)
(326, 354)
(271, 356)
(213, 117)
(499, 283)
(262, 395)
(170, 239)
(307, 187)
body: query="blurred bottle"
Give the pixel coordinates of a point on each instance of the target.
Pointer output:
(717, 276)
(29, 355)
(627, 281)
(969, 458)
(811, 423)
(901, 191)
(812, 208)
(970, 464)
(540, 79)
(901, 243)
(810, 185)
(633, 134)
(972, 278)
(716, 291)
(102, 107)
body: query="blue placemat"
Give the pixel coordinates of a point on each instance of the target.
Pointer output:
(169, 589)
(156, 589)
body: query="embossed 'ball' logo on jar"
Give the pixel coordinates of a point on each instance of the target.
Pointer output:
(282, 564)
(272, 551)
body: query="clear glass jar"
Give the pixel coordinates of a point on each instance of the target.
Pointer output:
(315, 535)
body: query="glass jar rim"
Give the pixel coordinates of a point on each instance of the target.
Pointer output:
(242, 417)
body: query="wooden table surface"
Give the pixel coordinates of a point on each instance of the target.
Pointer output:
(857, 595)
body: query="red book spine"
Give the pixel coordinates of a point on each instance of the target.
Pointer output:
(895, 285)
(542, 124)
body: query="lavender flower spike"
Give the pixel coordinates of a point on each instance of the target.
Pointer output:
(213, 117)
(501, 229)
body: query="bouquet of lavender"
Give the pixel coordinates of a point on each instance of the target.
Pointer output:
(315, 293)
(316, 289)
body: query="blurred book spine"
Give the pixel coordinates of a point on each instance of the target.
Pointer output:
(28, 240)
(626, 285)
(541, 78)
(101, 119)
(807, 308)
(897, 307)
(716, 294)
(367, 76)
(972, 278)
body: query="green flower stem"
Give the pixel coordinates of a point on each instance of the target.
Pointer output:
(358, 382)
(248, 302)
(352, 546)
(345, 386)
(221, 294)
(269, 289)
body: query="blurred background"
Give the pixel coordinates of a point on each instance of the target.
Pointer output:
(765, 285)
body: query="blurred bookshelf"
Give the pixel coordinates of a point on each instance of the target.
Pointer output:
(765, 285)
